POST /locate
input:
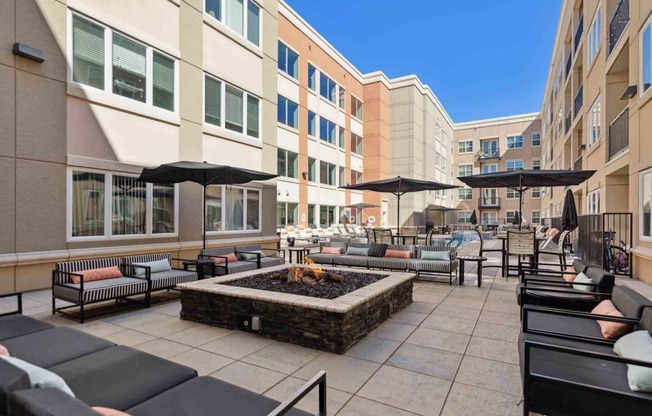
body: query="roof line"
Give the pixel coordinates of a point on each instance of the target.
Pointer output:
(499, 120)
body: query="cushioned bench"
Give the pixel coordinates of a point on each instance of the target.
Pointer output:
(227, 266)
(12, 326)
(167, 278)
(258, 253)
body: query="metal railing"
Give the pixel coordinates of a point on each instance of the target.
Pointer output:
(569, 62)
(579, 101)
(618, 24)
(569, 120)
(489, 202)
(618, 137)
(578, 33)
(490, 154)
(577, 165)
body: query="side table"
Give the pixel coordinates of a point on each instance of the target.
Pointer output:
(476, 259)
(199, 266)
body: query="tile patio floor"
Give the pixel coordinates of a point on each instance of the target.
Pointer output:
(452, 352)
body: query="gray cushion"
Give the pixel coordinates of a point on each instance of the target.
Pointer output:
(12, 379)
(358, 261)
(563, 324)
(357, 251)
(53, 346)
(646, 320)
(237, 267)
(208, 396)
(47, 402)
(629, 302)
(252, 255)
(601, 277)
(155, 267)
(391, 263)
(16, 325)
(637, 346)
(580, 265)
(435, 255)
(101, 289)
(121, 377)
(320, 258)
(171, 278)
(271, 262)
(432, 265)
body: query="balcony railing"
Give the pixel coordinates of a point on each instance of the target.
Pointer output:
(569, 62)
(579, 100)
(569, 120)
(488, 154)
(489, 202)
(578, 33)
(618, 138)
(578, 164)
(618, 24)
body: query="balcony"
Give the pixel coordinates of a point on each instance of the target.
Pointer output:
(578, 34)
(569, 62)
(579, 100)
(618, 138)
(569, 120)
(578, 164)
(489, 202)
(487, 154)
(618, 24)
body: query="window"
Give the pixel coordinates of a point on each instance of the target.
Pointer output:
(214, 8)
(536, 139)
(288, 112)
(312, 78)
(327, 173)
(512, 194)
(465, 194)
(342, 178)
(128, 70)
(231, 208)
(312, 170)
(288, 60)
(510, 215)
(595, 36)
(286, 214)
(356, 144)
(514, 165)
(327, 215)
(134, 208)
(327, 130)
(536, 192)
(342, 137)
(312, 124)
(239, 109)
(465, 146)
(253, 23)
(646, 58)
(536, 164)
(311, 215)
(646, 204)
(232, 14)
(287, 164)
(536, 217)
(515, 142)
(465, 170)
(594, 120)
(356, 177)
(492, 168)
(356, 108)
(593, 202)
(463, 217)
(327, 88)
(342, 98)
(489, 218)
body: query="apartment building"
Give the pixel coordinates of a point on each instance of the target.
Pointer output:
(597, 113)
(497, 145)
(123, 85)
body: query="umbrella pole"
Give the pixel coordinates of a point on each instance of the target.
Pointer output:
(520, 202)
(203, 222)
(398, 214)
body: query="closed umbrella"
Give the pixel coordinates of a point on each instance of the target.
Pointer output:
(473, 220)
(569, 220)
(204, 174)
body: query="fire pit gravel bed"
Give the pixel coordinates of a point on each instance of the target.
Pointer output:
(325, 290)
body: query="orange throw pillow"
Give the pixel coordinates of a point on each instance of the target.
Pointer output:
(231, 257)
(97, 274)
(399, 254)
(105, 411)
(610, 330)
(331, 250)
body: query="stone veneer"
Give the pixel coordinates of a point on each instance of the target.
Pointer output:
(329, 325)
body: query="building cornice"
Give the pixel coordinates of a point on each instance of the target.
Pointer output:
(519, 118)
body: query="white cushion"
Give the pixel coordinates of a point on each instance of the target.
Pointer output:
(582, 278)
(40, 378)
(155, 267)
(638, 346)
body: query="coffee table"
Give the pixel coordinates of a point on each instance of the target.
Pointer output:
(477, 259)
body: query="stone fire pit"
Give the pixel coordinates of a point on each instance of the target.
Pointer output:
(333, 325)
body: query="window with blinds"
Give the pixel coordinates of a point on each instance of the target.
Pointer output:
(234, 15)
(87, 52)
(253, 23)
(163, 80)
(253, 116)
(242, 16)
(87, 204)
(129, 68)
(213, 101)
(129, 206)
(241, 109)
(234, 105)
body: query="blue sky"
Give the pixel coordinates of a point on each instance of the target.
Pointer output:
(482, 58)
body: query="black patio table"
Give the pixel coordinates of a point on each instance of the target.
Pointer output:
(403, 238)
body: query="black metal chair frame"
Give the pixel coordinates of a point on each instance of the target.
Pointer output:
(19, 303)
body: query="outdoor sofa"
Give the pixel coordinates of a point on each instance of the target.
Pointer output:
(247, 258)
(376, 258)
(100, 373)
(84, 282)
(569, 368)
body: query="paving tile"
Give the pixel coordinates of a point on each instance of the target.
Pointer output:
(497, 331)
(166, 326)
(359, 406)
(393, 331)
(421, 307)
(456, 312)
(423, 297)
(344, 373)
(511, 308)
(128, 337)
(441, 340)
(172, 308)
(203, 361)
(501, 318)
(99, 328)
(492, 375)
(198, 335)
(417, 393)
(162, 348)
(136, 319)
(408, 318)
(463, 302)
(249, 376)
(447, 323)
(492, 349)
(282, 357)
(425, 360)
(484, 402)
(373, 349)
(237, 345)
(335, 399)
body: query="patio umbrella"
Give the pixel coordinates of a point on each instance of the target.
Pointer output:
(204, 174)
(473, 220)
(443, 210)
(399, 186)
(522, 180)
(569, 220)
(361, 206)
(517, 219)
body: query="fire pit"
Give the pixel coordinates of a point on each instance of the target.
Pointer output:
(327, 309)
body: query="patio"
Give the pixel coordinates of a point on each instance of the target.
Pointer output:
(452, 352)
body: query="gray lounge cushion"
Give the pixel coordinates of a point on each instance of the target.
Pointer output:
(628, 302)
(580, 265)
(237, 267)
(171, 278)
(53, 346)
(155, 266)
(121, 377)
(435, 255)
(391, 263)
(563, 324)
(101, 289)
(16, 325)
(432, 265)
(271, 262)
(357, 261)
(321, 258)
(208, 396)
(357, 251)
(12, 379)
(252, 255)
(600, 277)
(47, 402)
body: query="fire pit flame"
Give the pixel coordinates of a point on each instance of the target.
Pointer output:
(307, 275)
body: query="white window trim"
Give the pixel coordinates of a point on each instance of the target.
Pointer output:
(317, 72)
(640, 205)
(641, 81)
(361, 103)
(536, 159)
(354, 153)
(244, 212)
(108, 209)
(245, 22)
(540, 193)
(287, 126)
(589, 201)
(532, 216)
(459, 168)
(590, 143)
(466, 190)
(514, 160)
(592, 58)
(515, 195)
(532, 137)
(295, 79)
(318, 91)
(514, 135)
(465, 152)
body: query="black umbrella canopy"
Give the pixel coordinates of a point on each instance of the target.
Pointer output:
(517, 219)
(362, 205)
(473, 220)
(204, 174)
(569, 220)
(525, 179)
